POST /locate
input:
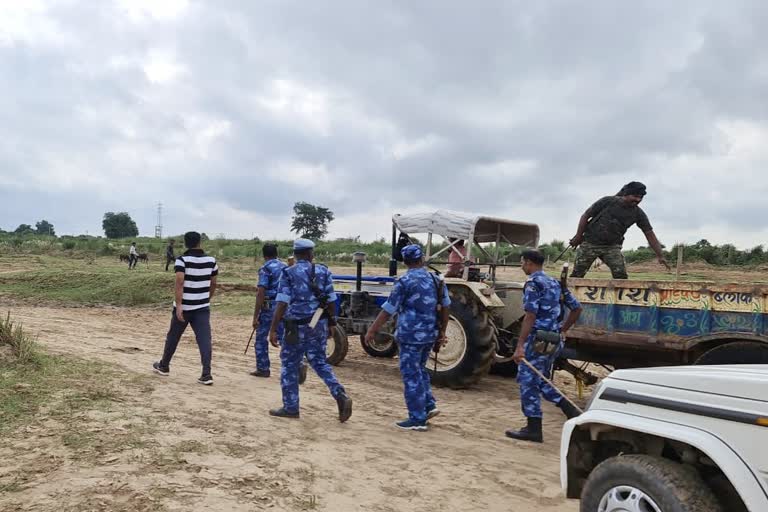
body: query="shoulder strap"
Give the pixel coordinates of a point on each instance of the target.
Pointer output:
(603, 210)
(436, 281)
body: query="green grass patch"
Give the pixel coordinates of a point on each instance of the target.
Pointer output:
(95, 285)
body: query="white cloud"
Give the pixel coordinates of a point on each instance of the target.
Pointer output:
(162, 67)
(143, 10)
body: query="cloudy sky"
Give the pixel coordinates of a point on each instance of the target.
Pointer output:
(231, 111)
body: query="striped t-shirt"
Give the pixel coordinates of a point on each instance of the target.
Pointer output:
(198, 270)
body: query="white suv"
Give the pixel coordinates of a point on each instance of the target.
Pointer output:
(682, 439)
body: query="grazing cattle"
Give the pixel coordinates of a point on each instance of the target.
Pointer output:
(124, 258)
(144, 257)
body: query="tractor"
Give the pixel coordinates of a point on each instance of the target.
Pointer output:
(485, 313)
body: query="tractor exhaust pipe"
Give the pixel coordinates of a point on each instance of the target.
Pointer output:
(359, 259)
(393, 260)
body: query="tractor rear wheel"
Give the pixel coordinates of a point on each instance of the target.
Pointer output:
(471, 343)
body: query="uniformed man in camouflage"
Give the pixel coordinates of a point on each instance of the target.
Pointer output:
(269, 279)
(542, 305)
(602, 228)
(415, 299)
(304, 288)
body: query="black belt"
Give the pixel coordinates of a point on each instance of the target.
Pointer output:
(299, 321)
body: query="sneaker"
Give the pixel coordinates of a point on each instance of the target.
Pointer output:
(260, 373)
(412, 425)
(164, 371)
(283, 413)
(206, 380)
(302, 373)
(345, 407)
(433, 413)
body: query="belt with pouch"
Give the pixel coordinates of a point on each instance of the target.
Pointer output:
(546, 343)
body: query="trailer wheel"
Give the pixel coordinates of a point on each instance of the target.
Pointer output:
(471, 343)
(337, 347)
(383, 345)
(737, 352)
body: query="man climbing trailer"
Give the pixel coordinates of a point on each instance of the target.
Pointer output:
(602, 228)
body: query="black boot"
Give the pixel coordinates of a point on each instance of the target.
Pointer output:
(282, 413)
(568, 409)
(531, 432)
(345, 407)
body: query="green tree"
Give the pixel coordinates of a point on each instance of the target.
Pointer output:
(311, 221)
(45, 228)
(24, 229)
(119, 225)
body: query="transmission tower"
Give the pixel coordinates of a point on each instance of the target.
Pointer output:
(159, 226)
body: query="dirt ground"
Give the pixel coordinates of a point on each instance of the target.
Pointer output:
(227, 454)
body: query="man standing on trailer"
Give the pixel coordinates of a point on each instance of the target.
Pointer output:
(421, 302)
(602, 228)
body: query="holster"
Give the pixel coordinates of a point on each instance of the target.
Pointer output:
(292, 330)
(546, 343)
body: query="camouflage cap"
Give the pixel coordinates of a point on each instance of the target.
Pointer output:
(302, 244)
(411, 252)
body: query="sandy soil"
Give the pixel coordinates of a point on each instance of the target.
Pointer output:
(240, 459)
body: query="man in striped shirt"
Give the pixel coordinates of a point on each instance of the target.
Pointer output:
(195, 284)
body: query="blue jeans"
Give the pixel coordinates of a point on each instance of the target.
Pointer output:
(200, 319)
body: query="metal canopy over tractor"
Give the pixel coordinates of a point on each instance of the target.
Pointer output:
(474, 229)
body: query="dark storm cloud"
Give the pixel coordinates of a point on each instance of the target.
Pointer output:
(507, 108)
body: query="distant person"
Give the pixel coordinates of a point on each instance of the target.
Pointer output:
(306, 289)
(133, 256)
(169, 255)
(291, 261)
(196, 275)
(602, 228)
(543, 299)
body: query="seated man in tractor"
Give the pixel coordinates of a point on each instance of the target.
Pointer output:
(456, 256)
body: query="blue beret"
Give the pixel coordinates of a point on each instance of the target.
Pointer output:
(302, 244)
(411, 252)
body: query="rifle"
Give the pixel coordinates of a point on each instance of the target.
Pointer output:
(438, 310)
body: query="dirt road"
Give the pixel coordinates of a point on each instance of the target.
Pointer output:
(249, 461)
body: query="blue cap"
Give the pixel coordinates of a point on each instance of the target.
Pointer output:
(411, 252)
(302, 244)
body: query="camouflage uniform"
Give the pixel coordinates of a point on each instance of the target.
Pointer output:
(611, 255)
(610, 218)
(414, 301)
(294, 290)
(541, 296)
(269, 279)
